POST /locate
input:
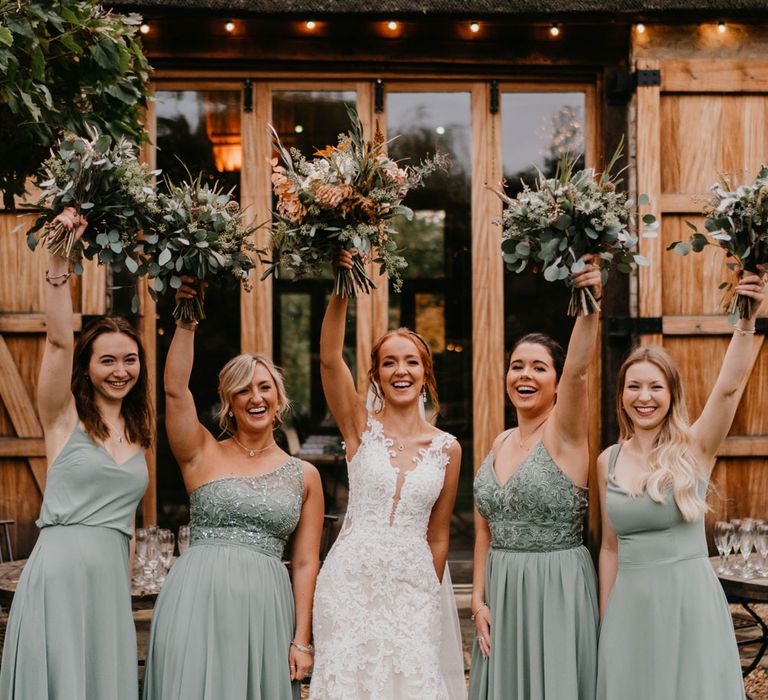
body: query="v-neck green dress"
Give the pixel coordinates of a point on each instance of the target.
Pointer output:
(540, 586)
(666, 633)
(70, 632)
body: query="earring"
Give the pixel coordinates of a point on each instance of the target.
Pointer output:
(424, 394)
(230, 414)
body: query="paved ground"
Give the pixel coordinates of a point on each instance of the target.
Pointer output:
(757, 683)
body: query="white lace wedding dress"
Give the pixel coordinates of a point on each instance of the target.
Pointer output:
(384, 626)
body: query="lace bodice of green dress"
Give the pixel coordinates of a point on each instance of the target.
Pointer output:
(538, 509)
(257, 511)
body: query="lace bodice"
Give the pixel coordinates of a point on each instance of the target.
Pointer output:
(374, 501)
(538, 509)
(259, 511)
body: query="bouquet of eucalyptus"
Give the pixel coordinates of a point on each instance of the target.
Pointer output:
(200, 232)
(106, 183)
(347, 196)
(575, 213)
(737, 221)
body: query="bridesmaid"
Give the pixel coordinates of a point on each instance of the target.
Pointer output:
(534, 595)
(666, 631)
(226, 624)
(70, 632)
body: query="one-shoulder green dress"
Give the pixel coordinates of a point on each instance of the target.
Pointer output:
(540, 586)
(224, 620)
(666, 632)
(70, 632)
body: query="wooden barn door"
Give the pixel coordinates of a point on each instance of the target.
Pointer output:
(22, 332)
(697, 119)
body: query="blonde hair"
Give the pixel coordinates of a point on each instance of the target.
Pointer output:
(671, 461)
(237, 374)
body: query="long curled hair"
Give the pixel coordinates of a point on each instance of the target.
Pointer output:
(671, 461)
(136, 408)
(237, 374)
(425, 354)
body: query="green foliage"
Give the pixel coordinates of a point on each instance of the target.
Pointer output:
(64, 65)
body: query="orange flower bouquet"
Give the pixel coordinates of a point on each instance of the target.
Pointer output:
(346, 196)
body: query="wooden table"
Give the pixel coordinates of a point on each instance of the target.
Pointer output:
(11, 572)
(746, 592)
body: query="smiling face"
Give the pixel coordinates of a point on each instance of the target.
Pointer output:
(401, 374)
(531, 378)
(114, 366)
(646, 396)
(255, 406)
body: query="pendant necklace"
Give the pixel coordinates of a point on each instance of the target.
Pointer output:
(522, 441)
(253, 453)
(120, 435)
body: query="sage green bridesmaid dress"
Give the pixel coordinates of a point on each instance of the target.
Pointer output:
(540, 586)
(70, 632)
(666, 632)
(224, 620)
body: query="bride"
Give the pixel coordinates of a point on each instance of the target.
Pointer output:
(385, 627)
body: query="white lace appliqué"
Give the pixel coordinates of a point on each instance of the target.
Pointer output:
(377, 615)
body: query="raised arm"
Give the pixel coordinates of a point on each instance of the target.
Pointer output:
(55, 402)
(186, 435)
(572, 391)
(715, 420)
(338, 384)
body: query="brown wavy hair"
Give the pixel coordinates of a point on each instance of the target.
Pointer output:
(425, 353)
(136, 408)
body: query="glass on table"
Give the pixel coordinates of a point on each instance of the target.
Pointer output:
(761, 544)
(184, 538)
(746, 542)
(166, 542)
(140, 554)
(724, 542)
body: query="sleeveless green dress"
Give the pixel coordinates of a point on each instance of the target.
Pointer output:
(540, 586)
(666, 632)
(70, 632)
(224, 620)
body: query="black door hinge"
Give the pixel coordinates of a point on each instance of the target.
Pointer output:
(378, 96)
(248, 96)
(494, 106)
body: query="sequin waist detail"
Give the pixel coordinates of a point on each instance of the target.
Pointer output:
(261, 541)
(534, 537)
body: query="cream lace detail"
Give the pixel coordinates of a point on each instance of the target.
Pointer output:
(377, 614)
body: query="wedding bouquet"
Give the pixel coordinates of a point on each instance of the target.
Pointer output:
(737, 221)
(200, 232)
(104, 181)
(564, 218)
(347, 196)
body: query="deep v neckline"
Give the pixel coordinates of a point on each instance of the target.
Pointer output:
(516, 470)
(101, 447)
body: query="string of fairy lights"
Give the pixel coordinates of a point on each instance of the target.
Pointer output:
(475, 27)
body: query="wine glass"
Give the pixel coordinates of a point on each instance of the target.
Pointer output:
(139, 555)
(184, 537)
(761, 544)
(723, 542)
(746, 541)
(152, 559)
(166, 542)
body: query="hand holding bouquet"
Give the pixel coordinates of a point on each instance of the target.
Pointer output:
(567, 221)
(346, 196)
(104, 182)
(737, 221)
(200, 233)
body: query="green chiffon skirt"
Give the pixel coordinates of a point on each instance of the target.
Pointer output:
(544, 617)
(222, 628)
(667, 634)
(70, 633)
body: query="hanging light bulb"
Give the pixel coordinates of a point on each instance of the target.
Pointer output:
(392, 25)
(474, 27)
(144, 28)
(640, 28)
(721, 27)
(554, 30)
(230, 26)
(310, 25)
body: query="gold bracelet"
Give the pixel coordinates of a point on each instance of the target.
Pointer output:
(309, 649)
(187, 325)
(743, 331)
(474, 614)
(63, 277)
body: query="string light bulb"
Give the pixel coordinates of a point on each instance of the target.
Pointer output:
(392, 25)
(474, 27)
(721, 27)
(554, 30)
(230, 26)
(640, 28)
(310, 25)
(144, 28)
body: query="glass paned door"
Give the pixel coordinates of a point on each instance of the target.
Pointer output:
(436, 299)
